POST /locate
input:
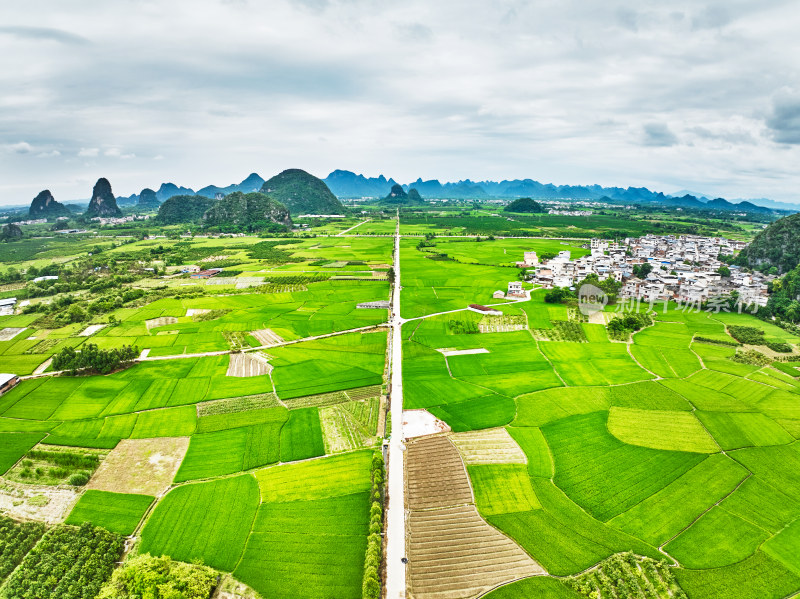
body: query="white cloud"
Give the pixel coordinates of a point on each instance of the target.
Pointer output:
(117, 153)
(21, 147)
(676, 95)
(49, 154)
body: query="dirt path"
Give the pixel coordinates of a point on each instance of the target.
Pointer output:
(342, 234)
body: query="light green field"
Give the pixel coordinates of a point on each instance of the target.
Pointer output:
(677, 431)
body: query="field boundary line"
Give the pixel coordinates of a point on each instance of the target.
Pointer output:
(539, 349)
(657, 377)
(712, 506)
(252, 524)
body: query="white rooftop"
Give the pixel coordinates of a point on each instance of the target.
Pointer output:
(5, 377)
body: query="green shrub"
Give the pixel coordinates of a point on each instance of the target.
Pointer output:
(748, 335)
(780, 347)
(752, 357)
(78, 479)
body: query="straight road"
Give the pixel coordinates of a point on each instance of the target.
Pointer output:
(396, 511)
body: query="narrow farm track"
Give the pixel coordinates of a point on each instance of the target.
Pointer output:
(453, 552)
(342, 234)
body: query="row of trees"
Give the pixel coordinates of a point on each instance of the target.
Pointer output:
(92, 359)
(371, 587)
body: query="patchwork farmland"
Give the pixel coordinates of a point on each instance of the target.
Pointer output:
(245, 435)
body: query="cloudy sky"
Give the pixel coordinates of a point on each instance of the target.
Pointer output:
(673, 95)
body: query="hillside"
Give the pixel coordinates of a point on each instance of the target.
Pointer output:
(302, 193)
(45, 205)
(525, 205)
(399, 197)
(148, 199)
(778, 245)
(183, 209)
(252, 211)
(103, 202)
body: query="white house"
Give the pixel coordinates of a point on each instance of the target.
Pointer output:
(515, 289)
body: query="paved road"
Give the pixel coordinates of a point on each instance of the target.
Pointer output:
(396, 511)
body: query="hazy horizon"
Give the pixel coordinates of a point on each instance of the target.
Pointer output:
(699, 96)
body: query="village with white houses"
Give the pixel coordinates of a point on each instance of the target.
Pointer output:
(682, 268)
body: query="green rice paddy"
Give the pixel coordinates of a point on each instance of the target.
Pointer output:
(663, 446)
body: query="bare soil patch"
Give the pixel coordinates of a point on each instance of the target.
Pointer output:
(43, 366)
(193, 311)
(462, 352)
(144, 466)
(36, 502)
(8, 333)
(244, 365)
(418, 423)
(90, 330)
(453, 553)
(160, 322)
(267, 337)
(600, 318)
(492, 446)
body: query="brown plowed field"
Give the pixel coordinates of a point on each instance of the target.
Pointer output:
(267, 337)
(436, 475)
(453, 553)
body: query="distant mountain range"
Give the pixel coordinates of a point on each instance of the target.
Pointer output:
(253, 182)
(346, 184)
(349, 185)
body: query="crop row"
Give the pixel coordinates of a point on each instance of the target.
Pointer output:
(237, 404)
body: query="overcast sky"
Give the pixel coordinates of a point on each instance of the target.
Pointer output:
(673, 95)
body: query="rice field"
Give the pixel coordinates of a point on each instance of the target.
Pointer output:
(569, 455)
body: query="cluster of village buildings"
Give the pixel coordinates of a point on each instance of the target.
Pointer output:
(120, 220)
(683, 268)
(570, 212)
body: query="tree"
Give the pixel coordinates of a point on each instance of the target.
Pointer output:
(159, 577)
(76, 314)
(724, 271)
(642, 270)
(558, 295)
